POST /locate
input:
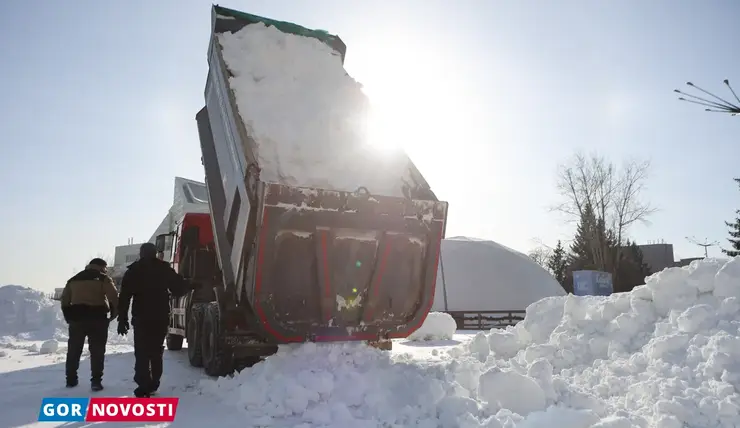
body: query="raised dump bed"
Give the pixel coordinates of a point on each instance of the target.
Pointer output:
(310, 248)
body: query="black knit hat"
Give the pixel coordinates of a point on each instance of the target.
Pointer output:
(98, 262)
(147, 251)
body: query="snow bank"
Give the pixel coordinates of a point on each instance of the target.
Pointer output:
(280, 79)
(486, 276)
(437, 326)
(648, 358)
(28, 315)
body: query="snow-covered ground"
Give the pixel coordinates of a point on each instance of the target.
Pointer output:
(665, 355)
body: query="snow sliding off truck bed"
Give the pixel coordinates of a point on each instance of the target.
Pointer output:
(276, 262)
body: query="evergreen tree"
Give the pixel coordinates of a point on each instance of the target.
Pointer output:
(557, 263)
(734, 233)
(643, 267)
(632, 268)
(594, 247)
(580, 255)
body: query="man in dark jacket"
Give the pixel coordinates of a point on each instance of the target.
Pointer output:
(149, 282)
(86, 300)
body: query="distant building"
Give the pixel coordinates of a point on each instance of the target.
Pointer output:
(124, 255)
(686, 262)
(660, 256)
(657, 256)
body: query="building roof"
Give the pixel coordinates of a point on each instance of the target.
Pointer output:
(480, 275)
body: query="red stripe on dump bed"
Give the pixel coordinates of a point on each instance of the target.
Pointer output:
(325, 262)
(258, 287)
(431, 300)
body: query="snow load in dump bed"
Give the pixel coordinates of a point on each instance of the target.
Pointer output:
(342, 242)
(306, 118)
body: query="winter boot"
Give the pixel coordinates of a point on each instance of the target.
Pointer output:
(96, 385)
(142, 393)
(71, 382)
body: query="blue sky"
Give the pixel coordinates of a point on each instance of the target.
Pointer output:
(98, 102)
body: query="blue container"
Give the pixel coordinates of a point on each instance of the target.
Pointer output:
(592, 283)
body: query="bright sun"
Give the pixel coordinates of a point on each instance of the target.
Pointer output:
(383, 131)
(416, 106)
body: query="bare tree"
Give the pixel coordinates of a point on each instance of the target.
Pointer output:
(540, 255)
(109, 260)
(614, 195)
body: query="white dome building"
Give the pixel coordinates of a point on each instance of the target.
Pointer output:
(483, 275)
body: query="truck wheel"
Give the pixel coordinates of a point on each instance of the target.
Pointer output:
(174, 342)
(218, 359)
(194, 332)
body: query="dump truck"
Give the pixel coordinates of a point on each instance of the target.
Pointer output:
(276, 264)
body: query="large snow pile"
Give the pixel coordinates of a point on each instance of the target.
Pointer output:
(663, 356)
(28, 314)
(437, 326)
(483, 275)
(305, 113)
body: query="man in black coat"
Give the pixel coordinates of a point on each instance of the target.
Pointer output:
(149, 281)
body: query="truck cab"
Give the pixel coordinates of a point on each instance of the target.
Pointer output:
(190, 251)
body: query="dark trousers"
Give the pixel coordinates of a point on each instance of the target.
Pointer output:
(96, 332)
(148, 352)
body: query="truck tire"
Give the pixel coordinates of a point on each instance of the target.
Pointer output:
(174, 342)
(194, 332)
(218, 359)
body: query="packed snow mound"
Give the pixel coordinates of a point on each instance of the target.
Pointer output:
(663, 355)
(437, 326)
(353, 385)
(28, 314)
(647, 359)
(49, 347)
(482, 275)
(278, 79)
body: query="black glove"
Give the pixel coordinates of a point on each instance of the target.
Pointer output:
(123, 327)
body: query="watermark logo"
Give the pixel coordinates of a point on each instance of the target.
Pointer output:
(108, 409)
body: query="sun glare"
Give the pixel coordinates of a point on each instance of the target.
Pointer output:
(382, 132)
(417, 106)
